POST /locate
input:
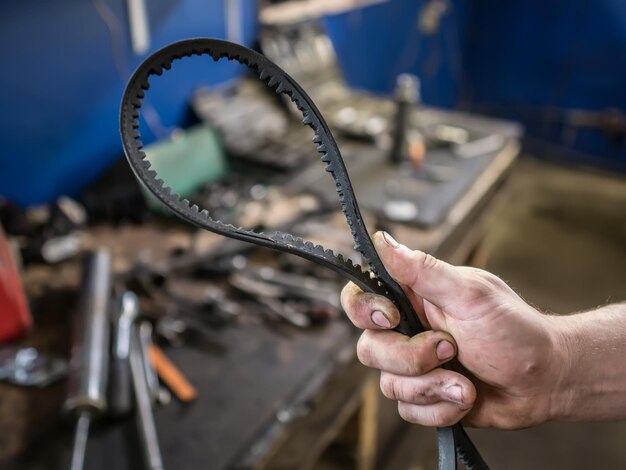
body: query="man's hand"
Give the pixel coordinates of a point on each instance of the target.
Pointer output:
(510, 358)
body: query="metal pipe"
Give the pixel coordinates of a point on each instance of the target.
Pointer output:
(90, 350)
(80, 440)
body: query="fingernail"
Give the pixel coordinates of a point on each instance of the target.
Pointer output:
(455, 394)
(380, 319)
(390, 241)
(444, 350)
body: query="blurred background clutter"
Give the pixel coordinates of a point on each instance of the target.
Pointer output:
(485, 133)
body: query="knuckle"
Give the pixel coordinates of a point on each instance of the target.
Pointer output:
(414, 362)
(390, 387)
(429, 262)
(344, 297)
(483, 282)
(422, 263)
(443, 421)
(494, 281)
(441, 417)
(349, 297)
(479, 286)
(433, 417)
(422, 396)
(364, 350)
(387, 387)
(407, 414)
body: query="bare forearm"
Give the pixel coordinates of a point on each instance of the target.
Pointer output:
(592, 386)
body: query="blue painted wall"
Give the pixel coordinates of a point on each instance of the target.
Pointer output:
(61, 91)
(379, 42)
(528, 60)
(522, 59)
(535, 60)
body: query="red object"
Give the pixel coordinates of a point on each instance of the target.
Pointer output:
(15, 319)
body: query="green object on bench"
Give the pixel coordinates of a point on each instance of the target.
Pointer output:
(187, 160)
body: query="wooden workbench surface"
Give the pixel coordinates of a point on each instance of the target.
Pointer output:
(254, 383)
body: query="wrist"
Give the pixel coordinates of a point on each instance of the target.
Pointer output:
(565, 376)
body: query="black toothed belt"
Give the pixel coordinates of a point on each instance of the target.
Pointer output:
(452, 440)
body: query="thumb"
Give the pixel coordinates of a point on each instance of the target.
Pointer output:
(427, 276)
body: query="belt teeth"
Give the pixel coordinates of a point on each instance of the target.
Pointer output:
(277, 80)
(373, 281)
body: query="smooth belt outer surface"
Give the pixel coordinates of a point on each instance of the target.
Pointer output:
(453, 441)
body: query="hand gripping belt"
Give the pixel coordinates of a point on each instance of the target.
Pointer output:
(452, 440)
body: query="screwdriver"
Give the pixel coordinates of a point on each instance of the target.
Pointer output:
(90, 350)
(120, 383)
(143, 405)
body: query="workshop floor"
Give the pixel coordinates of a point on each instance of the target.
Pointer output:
(560, 241)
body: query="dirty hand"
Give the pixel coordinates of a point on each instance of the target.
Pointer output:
(509, 359)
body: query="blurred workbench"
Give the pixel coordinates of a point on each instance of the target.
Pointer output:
(268, 398)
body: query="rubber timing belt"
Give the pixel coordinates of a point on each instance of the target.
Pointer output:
(452, 439)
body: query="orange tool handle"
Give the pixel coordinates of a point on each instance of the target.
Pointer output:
(171, 376)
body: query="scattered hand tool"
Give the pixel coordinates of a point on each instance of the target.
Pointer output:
(143, 404)
(90, 350)
(171, 376)
(120, 384)
(29, 367)
(157, 394)
(378, 280)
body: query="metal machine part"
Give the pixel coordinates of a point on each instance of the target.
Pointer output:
(143, 405)
(377, 281)
(120, 385)
(406, 96)
(90, 350)
(252, 126)
(145, 341)
(30, 368)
